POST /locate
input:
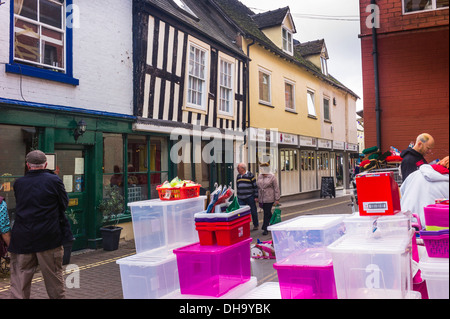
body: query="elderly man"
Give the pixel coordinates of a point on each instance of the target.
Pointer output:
(414, 157)
(247, 191)
(40, 229)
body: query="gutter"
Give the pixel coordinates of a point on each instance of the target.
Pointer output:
(377, 80)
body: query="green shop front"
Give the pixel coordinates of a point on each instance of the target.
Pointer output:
(89, 151)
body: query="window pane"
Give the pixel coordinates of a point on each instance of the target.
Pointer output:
(112, 153)
(441, 3)
(50, 13)
(326, 109)
(311, 106)
(28, 8)
(53, 54)
(26, 41)
(417, 5)
(289, 96)
(264, 87)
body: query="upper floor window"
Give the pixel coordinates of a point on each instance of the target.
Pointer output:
(226, 88)
(311, 103)
(265, 96)
(39, 33)
(289, 89)
(422, 5)
(326, 109)
(287, 41)
(184, 7)
(197, 87)
(324, 65)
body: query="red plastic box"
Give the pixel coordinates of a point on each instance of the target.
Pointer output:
(224, 233)
(378, 194)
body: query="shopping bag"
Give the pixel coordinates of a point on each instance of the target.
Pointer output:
(276, 216)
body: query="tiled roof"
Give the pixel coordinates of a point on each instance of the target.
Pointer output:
(310, 48)
(270, 18)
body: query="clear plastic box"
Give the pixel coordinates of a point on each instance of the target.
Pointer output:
(267, 290)
(435, 271)
(381, 226)
(145, 276)
(305, 232)
(213, 270)
(372, 268)
(162, 226)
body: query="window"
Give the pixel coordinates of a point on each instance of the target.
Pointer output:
(226, 88)
(326, 109)
(287, 41)
(197, 77)
(39, 33)
(289, 161)
(289, 89)
(311, 104)
(323, 61)
(264, 87)
(184, 8)
(422, 5)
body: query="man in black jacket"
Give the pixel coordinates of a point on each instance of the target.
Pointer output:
(247, 191)
(40, 229)
(414, 157)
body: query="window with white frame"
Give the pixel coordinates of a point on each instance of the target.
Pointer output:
(289, 93)
(326, 108)
(265, 96)
(311, 103)
(422, 5)
(323, 61)
(226, 88)
(40, 33)
(287, 41)
(197, 87)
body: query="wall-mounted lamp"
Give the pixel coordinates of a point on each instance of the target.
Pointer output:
(80, 130)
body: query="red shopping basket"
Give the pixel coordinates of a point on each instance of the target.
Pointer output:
(177, 193)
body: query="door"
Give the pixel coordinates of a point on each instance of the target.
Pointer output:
(71, 168)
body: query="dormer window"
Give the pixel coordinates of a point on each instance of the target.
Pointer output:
(288, 41)
(184, 8)
(324, 65)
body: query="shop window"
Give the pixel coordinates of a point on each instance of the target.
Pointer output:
(113, 160)
(16, 142)
(137, 168)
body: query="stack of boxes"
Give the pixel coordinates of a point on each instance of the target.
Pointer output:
(435, 266)
(304, 266)
(220, 262)
(159, 228)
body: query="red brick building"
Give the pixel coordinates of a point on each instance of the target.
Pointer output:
(408, 85)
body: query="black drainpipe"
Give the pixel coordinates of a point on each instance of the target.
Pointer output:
(247, 124)
(377, 85)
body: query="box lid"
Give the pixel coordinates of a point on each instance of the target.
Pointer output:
(434, 267)
(311, 222)
(210, 249)
(362, 244)
(158, 202)
(146, 259)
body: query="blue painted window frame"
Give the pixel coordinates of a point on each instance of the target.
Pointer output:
(33, 71)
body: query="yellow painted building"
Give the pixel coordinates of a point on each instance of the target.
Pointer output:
(311, 114)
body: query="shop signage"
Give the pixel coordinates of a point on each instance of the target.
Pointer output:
(288, 139)
(308, 141)
(262, 135)
(338, 145)
(351, 147)
(325, 143)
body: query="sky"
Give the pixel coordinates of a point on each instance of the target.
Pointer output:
(335, 21)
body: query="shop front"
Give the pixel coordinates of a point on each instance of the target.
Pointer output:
(88, 151)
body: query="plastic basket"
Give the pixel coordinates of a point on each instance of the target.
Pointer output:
(436, 243)
(177, 193)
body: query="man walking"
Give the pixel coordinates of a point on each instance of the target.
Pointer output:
(414, 157)
(40, 229)
(247, 191)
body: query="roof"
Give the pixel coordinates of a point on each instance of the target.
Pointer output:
(209, 22)
(244, 18)
(310, 48)
(271, 18)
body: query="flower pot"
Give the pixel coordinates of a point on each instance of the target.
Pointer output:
(111, 236)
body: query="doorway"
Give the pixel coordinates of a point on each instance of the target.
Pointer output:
(71, 168)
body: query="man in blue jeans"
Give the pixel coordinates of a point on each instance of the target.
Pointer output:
(247, 191)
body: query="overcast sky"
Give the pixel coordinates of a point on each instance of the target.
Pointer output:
(330, 20)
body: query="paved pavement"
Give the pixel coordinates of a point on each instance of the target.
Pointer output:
(99, 275)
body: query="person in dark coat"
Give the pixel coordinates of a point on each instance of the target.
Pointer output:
(40, 229)
(414, 157)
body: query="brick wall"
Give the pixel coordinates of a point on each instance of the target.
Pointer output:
(102, 61)
(392, 18)
(414, 89)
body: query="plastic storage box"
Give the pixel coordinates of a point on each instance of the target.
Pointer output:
(306, 281)
(213, 270)
(301, 233)
(268, 290)
(145, 276)
(378, 194)
(436, 243)
(392, 225)
(369, 268)
(435, 272)
(224, 233)
(436, 216)
(164, 225)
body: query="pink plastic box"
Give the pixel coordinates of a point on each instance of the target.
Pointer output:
(213, 270)
(306, 281)
(436, 215)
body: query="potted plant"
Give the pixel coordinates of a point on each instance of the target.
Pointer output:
(111, 206)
